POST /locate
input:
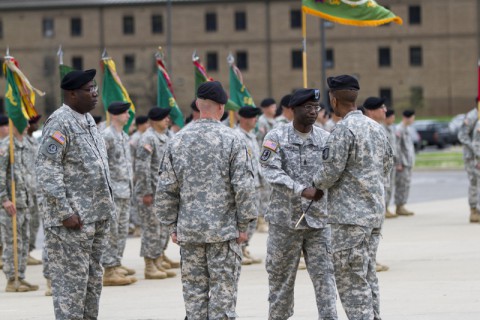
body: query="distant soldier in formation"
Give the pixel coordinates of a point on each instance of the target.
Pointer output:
(3, 135)
(19, 211)
(74, 180)
(392, 138)
(205, 195)
(465, 136)
(121, 173)
(149, 154)
(354, 166)
(287, 113)
(404, 163)
(267, 121)
(289, 160)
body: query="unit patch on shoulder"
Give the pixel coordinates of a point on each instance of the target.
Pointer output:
(327, 155)
(59, 137)
(52, 148)
(265, 155)
(272, 145)
(148, 147)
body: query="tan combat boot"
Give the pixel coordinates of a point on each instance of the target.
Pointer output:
(137, 233)
(158, 264)
(31, 261)
(474, 215)
(31, 287)
(122, 271)
(262, 225)
(381, 267)
(247, 254)
(151, 271)
(112, 278)
(402, 211)
(173, 264)
(48, 292)
(126, 270)
(389, 214)
(13, 286)
(246, 261)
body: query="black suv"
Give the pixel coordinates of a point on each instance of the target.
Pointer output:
(434, 133)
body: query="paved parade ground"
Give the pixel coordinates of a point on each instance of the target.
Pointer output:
(434, 261)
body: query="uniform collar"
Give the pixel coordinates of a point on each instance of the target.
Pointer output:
(293, 138)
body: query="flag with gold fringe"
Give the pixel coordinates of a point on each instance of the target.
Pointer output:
(362, 13)
(113, 89)
(19, 95)
(201, 76)
(165, 95)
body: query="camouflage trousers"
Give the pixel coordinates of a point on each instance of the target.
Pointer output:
(284, 247)
(354, 258)
(472, 182)
(117, 236)
(23, 234)
(402, 185)
(34, 223)
(210, 273)
(134, 218)
(74, 267)
(154, 235)
(389, 189)
(263, 199)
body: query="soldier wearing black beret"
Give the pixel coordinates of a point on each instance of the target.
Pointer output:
(212, 90)
(267, 121)
(375, 109)
(118, 107)
(286, 115)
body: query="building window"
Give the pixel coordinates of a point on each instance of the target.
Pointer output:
(242, 60)
(329, 58)
(416, 59)
(128, 25)
(212, 61)
(416, 97)
(386, 93)
(297, 59)
(240, 20)
(157, 23)
(76, 27)
(295, 18)
(210, 22)
(48, 66)
(77, 63)
(48, 28)
(1, 29)
(129, 63)
(384, 58)
(414, 15)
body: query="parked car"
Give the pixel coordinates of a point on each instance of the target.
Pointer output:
(454, 126)
(434, 133)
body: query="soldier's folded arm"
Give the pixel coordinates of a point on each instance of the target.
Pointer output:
(335, 154)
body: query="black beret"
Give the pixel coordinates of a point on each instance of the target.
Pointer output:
(343, 82)
(301, 96)
(118, 107)
(3, 120)
(157, 113)
(249, 112)
(267, 102)
(408, 113)
(35, 119)
(75, 79)
(193, 105)
(373, 103)
(285, 102)
(225, 116)
(141, 120)
(390, 112)
(212, 90)
(97, 119)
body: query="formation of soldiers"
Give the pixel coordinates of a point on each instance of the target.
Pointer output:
(318, 181)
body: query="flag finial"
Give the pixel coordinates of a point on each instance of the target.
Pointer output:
(230, 59)
(195, 56)
(105, 54)
(159, 55)
(60, 55)
(7, 54)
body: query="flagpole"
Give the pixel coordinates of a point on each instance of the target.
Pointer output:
(231, 113)
(304, 53)
(105, 57)
(14, 200)
(478, 90)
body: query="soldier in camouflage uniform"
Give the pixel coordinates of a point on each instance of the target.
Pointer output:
(392, 139)
(287, 112)
(404, 163)
(19, 211)
(247, 121)
(121, 173)
(355, 164)
(465, 135)
(289, 159)
(205, 195)
(74, 179)
(3, 135)
(147, 162)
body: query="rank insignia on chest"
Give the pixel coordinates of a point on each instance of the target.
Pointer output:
(52, 148)
(59, 137)
(148, 147)
(272, 145)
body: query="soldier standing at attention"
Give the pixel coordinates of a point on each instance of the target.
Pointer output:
(267, 121)
(121, 173)
(147, 162)
(289, 159)
(205, 195)
(465, 136)
(404, 163)
(354, 166)
(287, 113)
(392, 138)
(74, 180)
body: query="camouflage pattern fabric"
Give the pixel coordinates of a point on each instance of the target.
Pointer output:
(264, 125)
(75, 270)
(405, 153)
(402, 185)
(476, 154)
(32, 146)
(392, 139)
(153, 232)
(465, 135)
(210, 273)
(117, 237)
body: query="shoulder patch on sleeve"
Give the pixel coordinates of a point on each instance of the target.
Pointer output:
(265, 155)
(59, 137)
(326, 154)
(52, 148)
(272, 145)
